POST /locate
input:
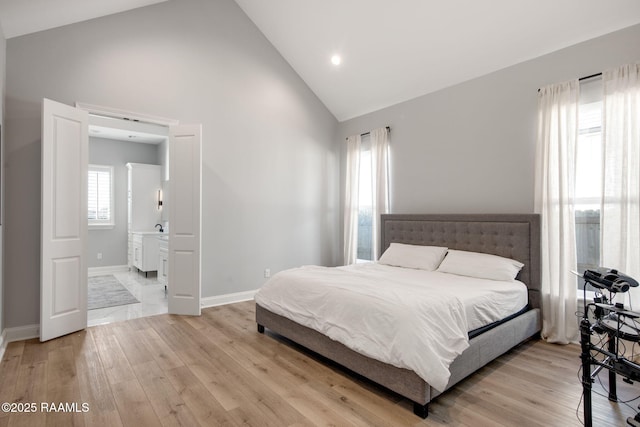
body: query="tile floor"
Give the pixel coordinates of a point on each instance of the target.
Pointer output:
(147, 290)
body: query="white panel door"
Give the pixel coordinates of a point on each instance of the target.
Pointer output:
(184, 219)
(63, 267)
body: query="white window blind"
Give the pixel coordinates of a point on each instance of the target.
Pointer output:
(588, 184)
(588, 176)
(365, 202)
(100, 200)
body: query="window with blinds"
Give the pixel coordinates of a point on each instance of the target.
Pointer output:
(365, 202)
(588, 176)
(100, 200)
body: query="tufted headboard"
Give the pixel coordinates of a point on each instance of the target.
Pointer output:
(515, 236)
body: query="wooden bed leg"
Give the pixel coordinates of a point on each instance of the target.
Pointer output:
(421, 410)
(260, 328)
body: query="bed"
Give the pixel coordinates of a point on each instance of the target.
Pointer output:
(514, 236)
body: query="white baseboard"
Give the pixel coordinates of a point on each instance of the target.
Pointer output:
(22, 333)
(227, 299)
(109, 269)
(3, 344)
(18, 334)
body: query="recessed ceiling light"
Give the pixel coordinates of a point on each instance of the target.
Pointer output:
(336, 60)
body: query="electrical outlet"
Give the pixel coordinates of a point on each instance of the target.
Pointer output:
(267, 273)
(99, 256)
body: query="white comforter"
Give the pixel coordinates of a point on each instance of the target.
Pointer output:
(408, 318)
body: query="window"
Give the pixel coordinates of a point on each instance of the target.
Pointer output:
(100, 197)
(366, 195)
(365, 203)
(588, 183)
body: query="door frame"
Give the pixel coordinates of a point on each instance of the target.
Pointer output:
(158, 120)
(124, 114)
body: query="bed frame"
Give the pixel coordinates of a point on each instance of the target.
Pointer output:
(514, 236)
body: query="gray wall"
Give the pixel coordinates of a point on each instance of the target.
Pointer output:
(270, 161)
(3, 51)
(112, 243)
(471, 147)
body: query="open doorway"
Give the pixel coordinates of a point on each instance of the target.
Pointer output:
(128, 224)
(63, 232)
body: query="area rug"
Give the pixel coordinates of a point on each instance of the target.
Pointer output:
(107, 291)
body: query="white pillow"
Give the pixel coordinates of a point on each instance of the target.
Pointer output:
(413, 256)
(480, 265)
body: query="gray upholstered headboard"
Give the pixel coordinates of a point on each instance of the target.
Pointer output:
(515, 236)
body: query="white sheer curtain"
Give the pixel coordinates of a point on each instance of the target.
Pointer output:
(620, 212)
(380, 171)
(351, 200)
(555, 174)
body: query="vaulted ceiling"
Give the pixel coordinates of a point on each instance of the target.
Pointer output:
(19, 17)
(395, 50)
(391, 50)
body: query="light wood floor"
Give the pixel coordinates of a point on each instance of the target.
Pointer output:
(217, 370)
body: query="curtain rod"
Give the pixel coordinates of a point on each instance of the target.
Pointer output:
(589, 77)
(368, 133)
(585, 78)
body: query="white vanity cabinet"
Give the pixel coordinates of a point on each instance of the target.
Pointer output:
(163, 260)
(145, 251)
